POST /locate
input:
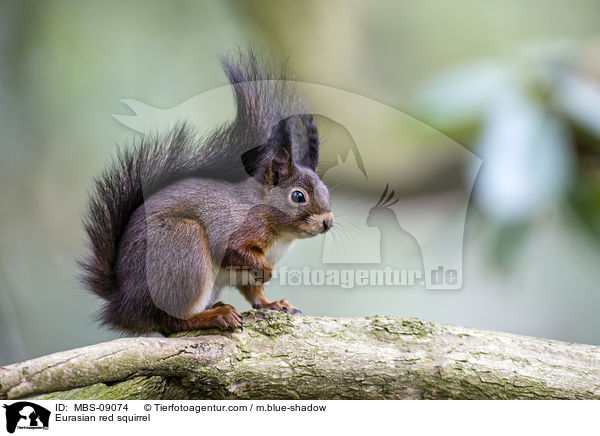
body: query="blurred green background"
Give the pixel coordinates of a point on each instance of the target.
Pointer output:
(518, 83)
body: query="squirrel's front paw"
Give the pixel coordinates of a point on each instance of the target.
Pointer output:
(280, 305)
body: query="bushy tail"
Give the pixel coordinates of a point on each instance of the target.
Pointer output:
(155, 162)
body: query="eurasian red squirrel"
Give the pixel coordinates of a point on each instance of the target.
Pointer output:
(173, 215)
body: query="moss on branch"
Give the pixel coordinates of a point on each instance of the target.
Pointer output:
(279, 356)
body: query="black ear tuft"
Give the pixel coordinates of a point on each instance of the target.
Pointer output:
(281, 136)
(311, 156)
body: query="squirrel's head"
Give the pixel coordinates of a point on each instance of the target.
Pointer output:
(297, 198)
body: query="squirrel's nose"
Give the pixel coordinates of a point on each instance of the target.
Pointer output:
(328, 223)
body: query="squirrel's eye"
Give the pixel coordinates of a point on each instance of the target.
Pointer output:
(298, 197)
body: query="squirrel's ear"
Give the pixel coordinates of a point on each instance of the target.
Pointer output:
(280, 166)
(311, 156)
(271, 169)
(278, 151)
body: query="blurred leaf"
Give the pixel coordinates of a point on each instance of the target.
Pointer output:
(527, 159)
(579, 98)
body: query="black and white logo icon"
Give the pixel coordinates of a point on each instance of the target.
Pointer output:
(26, 415)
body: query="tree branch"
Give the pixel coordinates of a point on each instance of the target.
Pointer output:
(280, 356)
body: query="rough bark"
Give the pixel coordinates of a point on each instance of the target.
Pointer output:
(279, 356)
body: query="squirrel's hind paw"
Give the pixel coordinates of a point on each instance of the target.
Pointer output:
(222, 316)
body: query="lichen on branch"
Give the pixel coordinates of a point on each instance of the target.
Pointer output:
(280, 356)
